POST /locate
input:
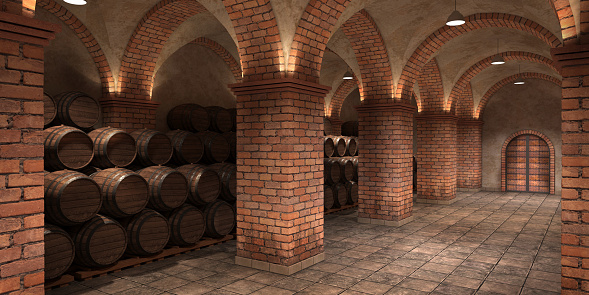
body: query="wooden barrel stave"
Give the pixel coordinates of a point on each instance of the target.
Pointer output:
(346, 169)
(332, 170)
(189, 117)
(220, 219)
(204, 184)
(59, 251)
(153, 147)
(49, 109)
(167, 188)
(113, 147)
(217, 148)
(328, 147)
(187, 225)
(340, 194)
(231, 138)
(328, 200)
(227, 173)
(352, 189)
(221, 119)
(99, 242)
(66, 148)
(77, 109)
(188, 148)
(327, 126)
(148, 232)
(124, 192)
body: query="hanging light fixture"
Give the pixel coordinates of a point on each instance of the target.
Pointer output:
(456, 18)
(498, 59)
(520, 79)
(75, 2)
(348, 75)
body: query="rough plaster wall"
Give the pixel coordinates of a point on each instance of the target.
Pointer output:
(536, 106)
(192, 74)
(340, 44)
(348, 112)
(68, 65)
(288, 13)
(333, 69)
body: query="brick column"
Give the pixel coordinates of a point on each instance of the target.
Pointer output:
(573, 64)
(336, 125)
(436, 158)
(469, 154)
(21, 152)
(128, 114)
(279, 174)
(385, 163)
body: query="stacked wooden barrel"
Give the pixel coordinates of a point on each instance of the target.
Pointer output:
(341, 171)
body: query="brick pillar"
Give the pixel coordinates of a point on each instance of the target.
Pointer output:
(385, 168)
(279, 174)
(336, 125)
(469, 154)
(128, 114)
(573, 64)
(21, 152)
(436, 158)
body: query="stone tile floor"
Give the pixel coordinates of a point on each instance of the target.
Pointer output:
(485, 243)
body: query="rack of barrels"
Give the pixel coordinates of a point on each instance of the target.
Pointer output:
(340, 171)
(110, 194)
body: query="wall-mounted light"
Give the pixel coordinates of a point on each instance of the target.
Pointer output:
(498, 59)
(348, 75)
(456, 18)
(75, 2)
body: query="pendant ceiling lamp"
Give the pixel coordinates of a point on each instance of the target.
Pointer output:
(348, 75)
(75, 2)
(498, 59)
(456, 18)
(520, 79)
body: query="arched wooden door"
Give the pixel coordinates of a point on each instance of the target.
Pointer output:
(527, 164)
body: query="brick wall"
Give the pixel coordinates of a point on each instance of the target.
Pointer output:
(279, 173)
(573, 61)
(129, 114)
(385, 162)
(469, 142)
(21, 153)
(436, 157)
(431, 89)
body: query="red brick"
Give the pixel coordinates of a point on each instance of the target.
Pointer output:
(569, 283)
(34, 250)
(9, 48)
(10, 284)
(33, 79)
(28, 236)
(4, 241)
(34, 279)
(9, 136)
(10, 254)
(10, 195)
(35, 52)
(33, 166)
(34, 221)
(34, 108)
(21, 151)
(33, 193)
(9, 166)
(23, 64)
(9, 106)
(32, 179)
(22, 92)
(21, 266)
(27, 122)
(21, 208)
(9, 76)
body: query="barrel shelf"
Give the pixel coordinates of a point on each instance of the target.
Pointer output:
(342, 208)
(59, 282)
(83, 274)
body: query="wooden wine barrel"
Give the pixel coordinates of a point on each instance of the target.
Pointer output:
(70, 197)
(148, 233)
(357, 147)
(113, 147)
(220, 219)
(233, 118)
(49, 109)
(77, 109)
(66, 148)
(221, 119)
(232, 140)
(328, 147)
(332, 170)
(89, 170)
(124, 192)
(187, 226)
(153, 147)
(339, 143)
(168, 188)
(59, 251)
(188, 148)
(355, 163)
(340, 194)
(352, 189)
(217, 148)
(351, 146)
(328, 200)
(346, 169)
(350, 128)
(189, 117)
(204, 183)
(227, 173)
(99, 242)
(327, 127)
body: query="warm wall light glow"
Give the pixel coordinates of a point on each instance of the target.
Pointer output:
(75, 2)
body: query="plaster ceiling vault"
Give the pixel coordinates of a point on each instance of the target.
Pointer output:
(403, 25)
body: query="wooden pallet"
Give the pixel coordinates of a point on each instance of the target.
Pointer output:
(62, 281)
(339, 209)
(86, 274)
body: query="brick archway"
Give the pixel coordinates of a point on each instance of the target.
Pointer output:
(223, 54)
(436, 40)
(338, 98)
(504, 162)
(146, 43)
(431, 89)
(485, 100)
(464, 81)
(564, 12)
(106, 77)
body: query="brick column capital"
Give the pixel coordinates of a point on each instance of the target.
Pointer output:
(367, 107)
(470, 122)
(570, 60)
(279, 85)
(27, 30)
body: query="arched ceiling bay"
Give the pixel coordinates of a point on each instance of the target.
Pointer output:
(490, 76)
(333, 69)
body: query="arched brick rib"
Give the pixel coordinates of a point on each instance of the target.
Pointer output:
(106, 78)
(146, 43)
(564, 12)
(474, 70)
(372, 56)
(431, 89)
(223, 53)
(473, 22)
(260, 47)
(311, 37)
(504, 162)
(485, 100)
(465, 105)
(339, 97)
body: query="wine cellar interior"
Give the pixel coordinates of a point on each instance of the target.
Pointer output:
(294, 147)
